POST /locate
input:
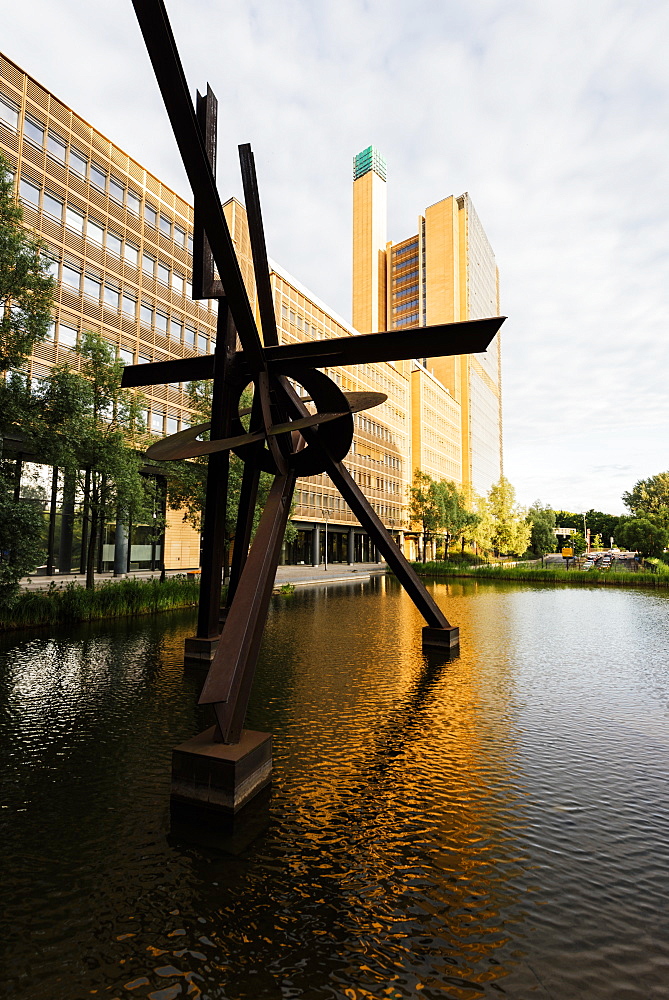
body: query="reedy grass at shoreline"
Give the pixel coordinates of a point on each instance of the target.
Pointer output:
(112, 599)
(531, 574)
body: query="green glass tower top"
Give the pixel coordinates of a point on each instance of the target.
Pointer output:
(369, 159)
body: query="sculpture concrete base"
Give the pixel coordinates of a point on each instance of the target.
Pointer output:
(221, 777)
(441, 638)
(199, 652)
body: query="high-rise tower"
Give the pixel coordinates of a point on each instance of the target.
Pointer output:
(444, 273)
(369, 241)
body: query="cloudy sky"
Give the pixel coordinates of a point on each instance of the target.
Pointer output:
(552, 115)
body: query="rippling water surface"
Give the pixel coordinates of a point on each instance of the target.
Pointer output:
(493, 826)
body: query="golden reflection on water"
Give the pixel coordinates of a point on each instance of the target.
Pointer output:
(438, 827)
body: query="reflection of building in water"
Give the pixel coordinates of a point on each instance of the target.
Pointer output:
(407, 757)
(120, 243)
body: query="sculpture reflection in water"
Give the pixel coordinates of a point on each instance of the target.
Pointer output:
(288, 435)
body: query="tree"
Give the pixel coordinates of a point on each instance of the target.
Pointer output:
(479, 525)
(26, 297)
(26, 287)
(640, 534)
(426, 506)
(455, 516)
(93, 430)
(597, 521)
(577, 542)
(649, 498)
(511, 532)
(21, 524)
(542, 522)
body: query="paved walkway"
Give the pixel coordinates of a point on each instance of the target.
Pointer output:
(299, 576)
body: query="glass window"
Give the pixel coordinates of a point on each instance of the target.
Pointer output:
(131, 255)
(92, 287)
(190, 243)
(148, 264)
(189, 336)
(161, 323)
(29, 192)
(179, 236)
(146, 314)
(78, 163)
(95, 233)
(52, 206)
(56, 147)
(143, 360)
(114, 244)
(51, 266)
(74, 220)
(9, 115)
(127, 357)
(133, 202)
(202, 344)
(292, 317)
(129, 305)
(116, 190)
(177, 283)
(189, 290)
(163, 274)
(33, 131)
(51, 331)
(71, 276)
(112, 297)
(172, 424)
(150, 214)
(98, 177)
(157, 420)
(67, 335)
(175, 329)
(165, 226)
(284, 312)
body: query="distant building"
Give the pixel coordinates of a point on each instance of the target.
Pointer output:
(443, 273)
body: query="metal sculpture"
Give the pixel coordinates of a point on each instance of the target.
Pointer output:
(284, 437)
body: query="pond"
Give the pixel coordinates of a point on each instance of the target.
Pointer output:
(492, 826)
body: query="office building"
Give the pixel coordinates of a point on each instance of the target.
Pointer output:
(443, 273)
(120, 246)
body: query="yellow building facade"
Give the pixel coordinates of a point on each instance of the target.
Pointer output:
(120, 245)
(444, 273)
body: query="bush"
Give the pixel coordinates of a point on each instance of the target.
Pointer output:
(114, 599)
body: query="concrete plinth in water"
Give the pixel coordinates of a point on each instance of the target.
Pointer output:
(441, 638)
(220, 778)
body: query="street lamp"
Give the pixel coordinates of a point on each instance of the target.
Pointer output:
(326, 514)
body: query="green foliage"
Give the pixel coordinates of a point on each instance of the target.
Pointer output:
(542, 521)
(577, 542)
(597, 521)
(510, 530)
(26, 287)
(21, 525)
(640, 534)
(649, 498)
(439, 508)
(114, 599)
(91, 428)
(530, 574)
